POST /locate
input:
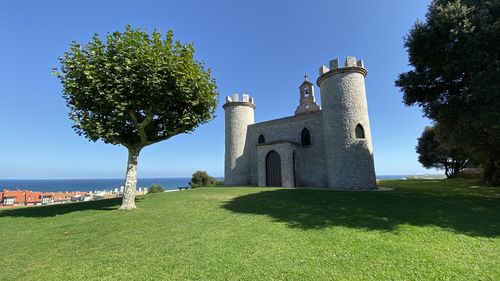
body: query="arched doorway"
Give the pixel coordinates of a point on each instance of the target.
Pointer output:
(273, 169)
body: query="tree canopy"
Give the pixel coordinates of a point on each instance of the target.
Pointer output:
(201, 179)
(135, 89)
(432, 154)
(455, 59)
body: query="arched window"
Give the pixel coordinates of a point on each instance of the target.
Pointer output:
(305, 137)
(262, 139)
(360, 132)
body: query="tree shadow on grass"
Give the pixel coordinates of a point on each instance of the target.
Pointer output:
(54, 210)
(465, 213)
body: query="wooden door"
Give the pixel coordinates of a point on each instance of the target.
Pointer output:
(273, 169)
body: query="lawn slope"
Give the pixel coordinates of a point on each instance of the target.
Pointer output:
(445, 229)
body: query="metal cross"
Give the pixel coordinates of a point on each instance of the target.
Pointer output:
(305, 77)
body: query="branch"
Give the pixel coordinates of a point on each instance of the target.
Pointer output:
(165, 137)
(131, 113)
(142, 125)
(148, 119)
(462, 164)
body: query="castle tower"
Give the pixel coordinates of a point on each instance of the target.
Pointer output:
(239, 114)
(346, 128)
(307, 102)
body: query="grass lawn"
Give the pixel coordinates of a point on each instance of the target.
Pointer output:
(439, 229)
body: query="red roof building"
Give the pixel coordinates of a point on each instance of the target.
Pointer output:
(20, 197)
(29, 198)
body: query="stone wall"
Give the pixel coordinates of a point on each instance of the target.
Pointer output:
(285, 149)
(336, 156)
(343, 99)
(310, 161)
(238, 115)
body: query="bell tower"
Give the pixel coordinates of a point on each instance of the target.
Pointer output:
(307, 99)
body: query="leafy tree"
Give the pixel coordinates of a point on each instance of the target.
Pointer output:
(432, 154)
(201, 178)
(455, 59)
(156, 188)
(135, 89)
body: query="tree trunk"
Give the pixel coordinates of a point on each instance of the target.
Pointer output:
(455, 167)
(447, 170)
(491, 173)
(128, 201)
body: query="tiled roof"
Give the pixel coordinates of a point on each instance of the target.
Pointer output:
(22, 196)
(28, 196)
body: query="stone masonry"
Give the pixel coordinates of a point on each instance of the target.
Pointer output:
(328, 146)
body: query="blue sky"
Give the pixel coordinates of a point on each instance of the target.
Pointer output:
(258, 47)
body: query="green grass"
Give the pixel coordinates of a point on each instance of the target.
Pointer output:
(446, 230)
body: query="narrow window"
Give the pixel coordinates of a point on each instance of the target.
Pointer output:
(262, 139)
(360, 132)
(305, 137)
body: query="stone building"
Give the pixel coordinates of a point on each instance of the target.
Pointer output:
(327, 146)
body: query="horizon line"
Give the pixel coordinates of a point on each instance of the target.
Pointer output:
(114, 178)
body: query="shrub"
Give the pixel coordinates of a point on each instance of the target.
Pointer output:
(201, 178)
(156, 188)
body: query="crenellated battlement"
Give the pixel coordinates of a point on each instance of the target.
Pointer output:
(350, 64)
(239, 110)
(234, 99)
(335, 148)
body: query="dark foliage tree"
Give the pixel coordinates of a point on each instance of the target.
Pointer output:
(156, 188)
(432, 154)
(455, 55)
(201, 179)
(135, 89)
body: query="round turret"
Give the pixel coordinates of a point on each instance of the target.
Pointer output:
(238, 115)
(346, 128)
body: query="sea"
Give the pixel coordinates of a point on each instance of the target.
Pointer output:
(57, 185)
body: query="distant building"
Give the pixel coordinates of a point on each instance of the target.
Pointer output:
(8, 200)
(47, 198)
(32, 198)
(20, 197)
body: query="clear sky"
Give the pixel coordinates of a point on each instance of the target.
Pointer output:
(258, 47)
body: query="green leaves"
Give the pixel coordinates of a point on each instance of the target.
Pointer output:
(455, 57)
(111, 87)
(433, 154)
